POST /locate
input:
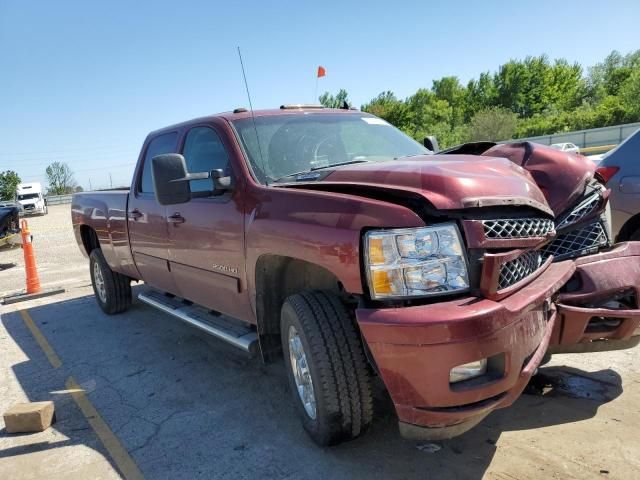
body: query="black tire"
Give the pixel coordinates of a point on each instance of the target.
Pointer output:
(116, 297)
(337, 365)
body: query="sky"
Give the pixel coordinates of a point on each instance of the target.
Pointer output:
(84, 82)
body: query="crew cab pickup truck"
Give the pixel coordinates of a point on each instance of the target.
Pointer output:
(331, 239)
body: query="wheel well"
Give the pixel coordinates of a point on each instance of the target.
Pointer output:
(89, 238)
(628, 228)
(277, 277)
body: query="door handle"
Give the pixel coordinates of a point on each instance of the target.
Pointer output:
(175, 218)
(135, 214)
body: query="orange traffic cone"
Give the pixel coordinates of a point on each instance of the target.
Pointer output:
(33, 282)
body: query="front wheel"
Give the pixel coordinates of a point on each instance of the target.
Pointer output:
(112, 290)
(326, 366)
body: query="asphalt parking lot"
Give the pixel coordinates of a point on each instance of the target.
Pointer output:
(142, 395)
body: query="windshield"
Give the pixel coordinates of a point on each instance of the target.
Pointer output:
(27, 196)
(292, 144)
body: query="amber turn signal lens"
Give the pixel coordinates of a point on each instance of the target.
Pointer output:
(376, 251)
(381, 282)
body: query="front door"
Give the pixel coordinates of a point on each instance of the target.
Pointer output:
(206, 235)
(148, 232)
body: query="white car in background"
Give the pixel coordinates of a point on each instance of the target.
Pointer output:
(566, 147)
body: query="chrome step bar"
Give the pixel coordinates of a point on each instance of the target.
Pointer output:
(225, 328)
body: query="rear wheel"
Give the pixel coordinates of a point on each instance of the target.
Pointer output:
(326, 366)
(112, 290)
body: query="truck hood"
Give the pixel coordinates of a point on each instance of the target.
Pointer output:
(447, 181)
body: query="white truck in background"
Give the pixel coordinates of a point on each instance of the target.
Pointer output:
(30, 196)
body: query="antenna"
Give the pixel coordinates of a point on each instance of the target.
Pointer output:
(253, 118)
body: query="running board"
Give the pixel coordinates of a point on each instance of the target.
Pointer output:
(220, 326)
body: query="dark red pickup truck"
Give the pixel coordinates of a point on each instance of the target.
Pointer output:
(331, 238)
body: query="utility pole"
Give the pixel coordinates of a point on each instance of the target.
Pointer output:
(90, 188)
(110, 180)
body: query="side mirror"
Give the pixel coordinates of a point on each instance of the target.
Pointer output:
(170, 179)
(431, 143)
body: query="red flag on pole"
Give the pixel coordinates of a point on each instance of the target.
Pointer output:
(321, 72)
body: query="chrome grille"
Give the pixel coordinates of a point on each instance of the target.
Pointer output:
(519, 268)
(576, 242)
(517, 227)
(584, 208)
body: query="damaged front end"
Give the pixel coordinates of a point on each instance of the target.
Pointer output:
(598, 307)
(543, 280)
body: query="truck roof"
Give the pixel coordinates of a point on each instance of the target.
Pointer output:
(242, 113)
(29, 186)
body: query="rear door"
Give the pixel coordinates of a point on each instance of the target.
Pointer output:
(206, 234)
(148, 232)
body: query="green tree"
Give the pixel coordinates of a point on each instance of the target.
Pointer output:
(630, 96)
(60, 178)
(9, 181)
(481, 94)
(543, 96)
(450, 90)
(493, 124)
(388, 107)
(330, 101)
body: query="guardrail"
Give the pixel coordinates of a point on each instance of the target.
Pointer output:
(594, 137)
(58, 199)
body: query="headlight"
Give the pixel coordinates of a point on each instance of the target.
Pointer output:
(415, 262)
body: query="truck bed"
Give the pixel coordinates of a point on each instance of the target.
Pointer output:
(106, 213)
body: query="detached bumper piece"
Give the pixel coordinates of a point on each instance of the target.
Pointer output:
(415, 349)
(601, 310)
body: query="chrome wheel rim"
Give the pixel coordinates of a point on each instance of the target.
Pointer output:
(301, 373)
(98, 279)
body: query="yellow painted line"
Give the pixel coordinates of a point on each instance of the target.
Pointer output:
(118, 453)
(48, 350)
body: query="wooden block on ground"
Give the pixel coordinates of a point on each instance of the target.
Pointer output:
(29, 417)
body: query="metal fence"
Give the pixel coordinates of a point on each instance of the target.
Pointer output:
(58, 199)
(594, 137)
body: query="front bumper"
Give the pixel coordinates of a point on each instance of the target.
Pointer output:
(583, 312)
(415, 348)
(33, 211)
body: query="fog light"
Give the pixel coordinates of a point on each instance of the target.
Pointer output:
(468, 371)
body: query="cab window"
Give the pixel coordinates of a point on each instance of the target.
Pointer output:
(165, 143)
(203, 151)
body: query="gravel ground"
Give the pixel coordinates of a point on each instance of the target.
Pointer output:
(184, 405)
(59, 260)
